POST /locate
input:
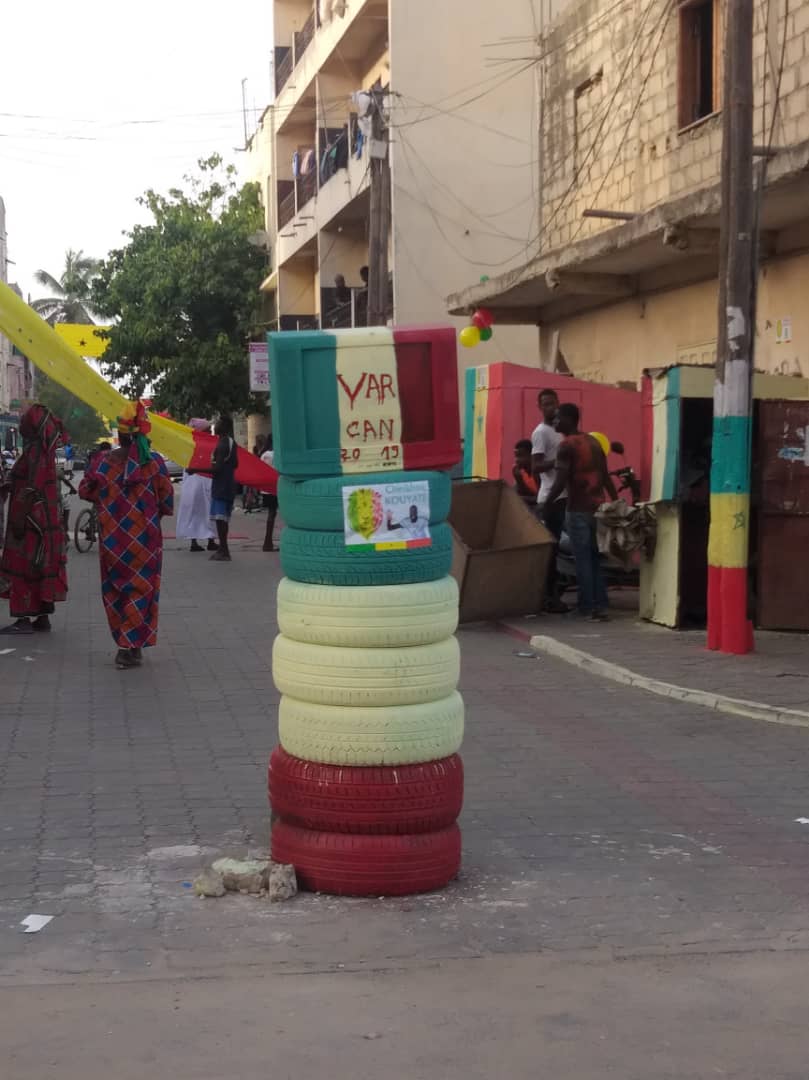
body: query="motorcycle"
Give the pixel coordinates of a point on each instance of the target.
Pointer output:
(615, 575)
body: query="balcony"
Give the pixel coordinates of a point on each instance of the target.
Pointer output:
(340, 312)
(288, 57)
(286, 202)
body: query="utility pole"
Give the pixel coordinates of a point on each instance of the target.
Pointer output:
(729, 629)
(379, 224)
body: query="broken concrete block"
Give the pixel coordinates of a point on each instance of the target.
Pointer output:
(283, 884)
(209, 883)
(241, 875)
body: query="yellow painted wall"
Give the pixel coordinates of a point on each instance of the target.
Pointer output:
(617, 343)
(660, 578)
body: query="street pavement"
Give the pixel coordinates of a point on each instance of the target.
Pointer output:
(633, 900)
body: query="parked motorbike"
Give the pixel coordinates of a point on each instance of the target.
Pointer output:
(614, 573)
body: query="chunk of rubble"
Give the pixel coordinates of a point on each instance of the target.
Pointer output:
(282, 884)
(209, 884)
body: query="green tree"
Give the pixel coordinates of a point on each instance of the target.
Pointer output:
(70, 294)
(83, 423)
(184, 295)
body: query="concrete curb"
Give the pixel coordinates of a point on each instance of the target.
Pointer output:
(753, 710)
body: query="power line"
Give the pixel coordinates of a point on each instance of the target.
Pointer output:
(638, 99)
(607, 114)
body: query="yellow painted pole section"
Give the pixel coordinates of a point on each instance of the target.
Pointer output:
(728, 537)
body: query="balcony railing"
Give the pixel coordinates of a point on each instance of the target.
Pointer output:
(287, 59)
(283, 67)
(306, 187)
(302, 38)
(286, 202)
(340, 312)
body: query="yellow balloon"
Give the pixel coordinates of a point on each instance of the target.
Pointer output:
(602, 441)
(469, 337)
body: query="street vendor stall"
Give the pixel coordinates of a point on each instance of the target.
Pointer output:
(677, 444)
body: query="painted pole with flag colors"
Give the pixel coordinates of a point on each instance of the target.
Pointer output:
(53, 355)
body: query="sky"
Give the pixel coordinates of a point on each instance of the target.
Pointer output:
(95, 109)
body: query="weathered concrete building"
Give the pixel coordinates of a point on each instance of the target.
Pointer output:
(630, 124)
(463, 175)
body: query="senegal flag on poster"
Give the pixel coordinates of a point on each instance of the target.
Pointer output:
(387, 517)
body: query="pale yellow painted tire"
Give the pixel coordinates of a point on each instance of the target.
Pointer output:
(371, 617)
(365, 677)
(400, 735)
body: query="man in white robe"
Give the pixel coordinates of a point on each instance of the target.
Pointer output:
(194, 516)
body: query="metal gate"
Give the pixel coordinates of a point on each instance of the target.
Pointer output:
(783, 519)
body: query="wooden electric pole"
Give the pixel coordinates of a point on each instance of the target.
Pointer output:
(379, 224)
(729, 629)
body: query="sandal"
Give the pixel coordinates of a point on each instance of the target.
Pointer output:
(21, 626)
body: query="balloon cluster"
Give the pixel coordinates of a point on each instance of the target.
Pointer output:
(480, 329)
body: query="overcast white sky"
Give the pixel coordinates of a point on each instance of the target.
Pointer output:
(74, 77)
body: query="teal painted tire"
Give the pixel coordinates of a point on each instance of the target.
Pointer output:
(322, 558)
(318, 504)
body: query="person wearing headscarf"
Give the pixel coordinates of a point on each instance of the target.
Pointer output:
(132, 491)
(33, 567)
(194, 516)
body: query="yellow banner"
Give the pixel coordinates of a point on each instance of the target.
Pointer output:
(52, 355)
(83, 338)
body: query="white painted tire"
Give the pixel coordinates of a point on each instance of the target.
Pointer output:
(371, 617)
(401, 735)
(365, 677)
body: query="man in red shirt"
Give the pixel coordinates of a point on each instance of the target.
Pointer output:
(581, 467)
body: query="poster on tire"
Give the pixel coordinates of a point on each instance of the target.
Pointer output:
(387, 517)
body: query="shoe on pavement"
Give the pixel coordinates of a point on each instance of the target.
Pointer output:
(124, 660)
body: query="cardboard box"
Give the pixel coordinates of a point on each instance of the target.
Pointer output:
(500, 552)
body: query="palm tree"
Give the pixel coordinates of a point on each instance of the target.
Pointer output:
(70, 299)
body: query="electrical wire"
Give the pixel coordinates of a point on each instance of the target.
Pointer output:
(667, 12)
(609, 113)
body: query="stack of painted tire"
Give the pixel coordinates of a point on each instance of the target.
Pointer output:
(367, 783)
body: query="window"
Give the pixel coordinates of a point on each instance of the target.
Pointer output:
(700, 53)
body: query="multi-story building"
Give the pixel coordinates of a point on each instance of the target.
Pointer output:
(15, 373)
(5, 344)
(462, 157)
(630, 132)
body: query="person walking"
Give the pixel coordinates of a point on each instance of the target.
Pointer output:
(223, 486)
(270, 501)
(545, 441)
(194, 516)
(581, 469)
(132, 491)
(33, 567)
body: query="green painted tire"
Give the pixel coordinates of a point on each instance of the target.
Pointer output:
(322, 558)
(318, 504)
(397, 735)
(379, 617)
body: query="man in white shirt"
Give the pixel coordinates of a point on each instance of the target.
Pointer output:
(545, 442)
(414, 526)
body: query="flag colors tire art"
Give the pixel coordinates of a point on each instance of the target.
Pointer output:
(350, 865)
(380, 616)
(318, 504)
(366, 799)
(345, 735)
(325, 675)
(323, 558)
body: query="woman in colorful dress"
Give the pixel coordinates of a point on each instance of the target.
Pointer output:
(33, 568)
(132, 491)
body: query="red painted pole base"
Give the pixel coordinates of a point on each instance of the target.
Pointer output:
(729, 629)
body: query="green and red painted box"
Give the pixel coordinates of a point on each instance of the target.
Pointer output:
(366, 400)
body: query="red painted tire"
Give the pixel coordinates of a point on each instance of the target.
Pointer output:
(343, 865)
(366, 799)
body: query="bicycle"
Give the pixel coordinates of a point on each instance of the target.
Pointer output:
(85, 532)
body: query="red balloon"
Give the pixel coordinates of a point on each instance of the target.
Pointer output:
(482, 318)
